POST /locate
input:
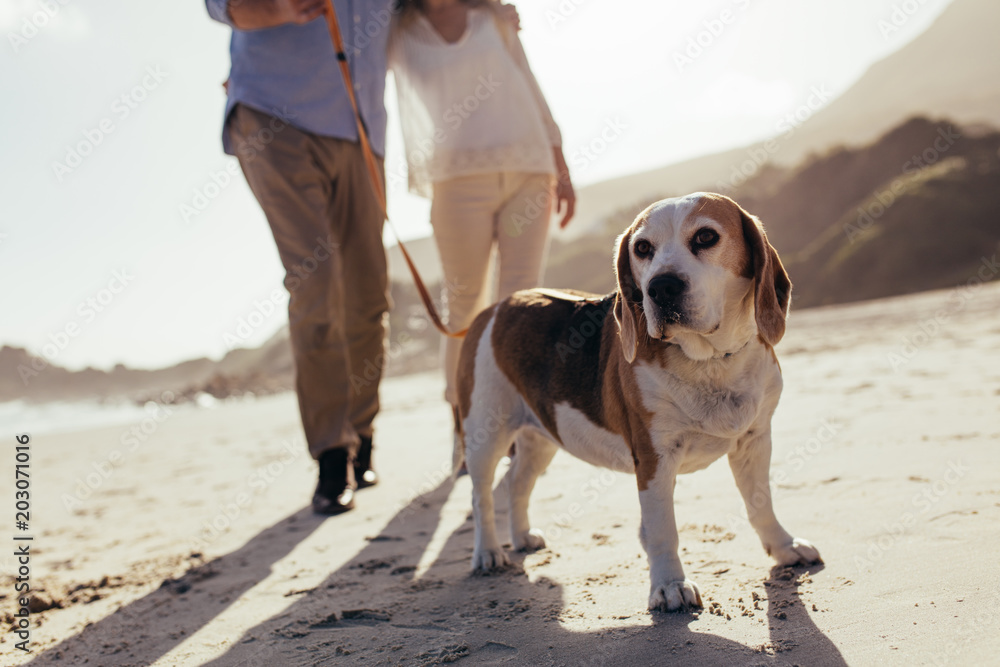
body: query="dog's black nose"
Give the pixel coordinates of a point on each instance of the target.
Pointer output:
(666, 288)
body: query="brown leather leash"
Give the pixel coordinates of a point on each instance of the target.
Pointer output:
(373, 171)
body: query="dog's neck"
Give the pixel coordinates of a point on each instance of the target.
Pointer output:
(733, 336)
(703, 348)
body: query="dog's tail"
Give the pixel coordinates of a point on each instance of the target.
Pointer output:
(458, 452)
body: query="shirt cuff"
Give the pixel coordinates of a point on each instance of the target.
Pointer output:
(219, 10)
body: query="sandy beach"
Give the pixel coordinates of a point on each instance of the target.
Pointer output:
(186, 538)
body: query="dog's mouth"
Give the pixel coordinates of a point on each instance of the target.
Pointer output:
(664, 320)
(665, 323)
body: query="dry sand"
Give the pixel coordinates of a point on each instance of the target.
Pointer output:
(893, 473)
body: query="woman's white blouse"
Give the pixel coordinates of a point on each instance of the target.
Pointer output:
(469, 107)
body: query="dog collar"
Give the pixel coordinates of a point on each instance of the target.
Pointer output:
(728, 355)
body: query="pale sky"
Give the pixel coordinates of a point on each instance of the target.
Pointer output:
(97, 262)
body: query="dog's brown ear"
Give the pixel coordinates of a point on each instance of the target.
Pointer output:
(624, 302)
(772, 288)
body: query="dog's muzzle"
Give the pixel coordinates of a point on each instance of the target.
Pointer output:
(667, 292)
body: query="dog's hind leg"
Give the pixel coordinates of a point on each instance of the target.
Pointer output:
(534, 453)
(486, 441)
(458, 446)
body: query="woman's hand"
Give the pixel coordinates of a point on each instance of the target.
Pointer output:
(564, 189)
(509, 14)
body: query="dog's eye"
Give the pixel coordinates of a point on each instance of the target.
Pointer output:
(643, 248)
(705, 238)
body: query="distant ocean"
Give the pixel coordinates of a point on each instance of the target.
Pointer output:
(61, 417)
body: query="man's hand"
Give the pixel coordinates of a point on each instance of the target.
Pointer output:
(564, 189)
(257, 14)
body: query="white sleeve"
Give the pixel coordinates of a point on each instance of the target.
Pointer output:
(521, 59)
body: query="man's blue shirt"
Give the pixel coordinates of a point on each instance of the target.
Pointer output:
(291, 71)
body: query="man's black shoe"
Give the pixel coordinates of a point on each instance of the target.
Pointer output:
(335, 490)
(364, 473)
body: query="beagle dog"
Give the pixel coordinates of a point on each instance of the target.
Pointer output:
(682, 373)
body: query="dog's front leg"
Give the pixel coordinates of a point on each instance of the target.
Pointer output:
(669, 589)
(751, 462)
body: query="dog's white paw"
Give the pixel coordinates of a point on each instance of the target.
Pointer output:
(532, 540)
(675, 596)
(486, 560)
(798, 552)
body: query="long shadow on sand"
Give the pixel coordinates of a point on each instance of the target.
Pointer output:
(370, 613)
(373, 610)
(142, 631)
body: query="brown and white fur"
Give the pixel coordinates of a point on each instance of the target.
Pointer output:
(683, 373)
